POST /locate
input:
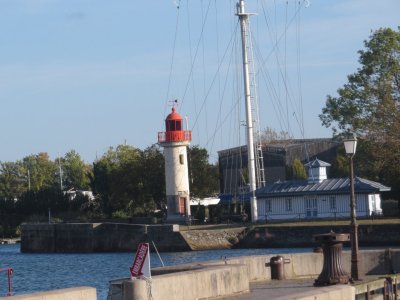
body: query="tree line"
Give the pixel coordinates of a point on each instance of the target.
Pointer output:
(125, 181)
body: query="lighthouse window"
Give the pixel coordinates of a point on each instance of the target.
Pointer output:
(181, 160)
(173, 125)
(170, 125)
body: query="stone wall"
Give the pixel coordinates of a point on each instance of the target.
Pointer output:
(114, 237)
(99, 237)
(302, 236)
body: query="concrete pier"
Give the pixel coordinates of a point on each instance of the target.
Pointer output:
(249, 278)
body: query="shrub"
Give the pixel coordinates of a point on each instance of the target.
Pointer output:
(390, 208)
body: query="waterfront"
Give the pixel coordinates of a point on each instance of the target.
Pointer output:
(40, 272)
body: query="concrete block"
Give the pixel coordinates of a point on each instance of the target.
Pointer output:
(208, 282)
(305, 265)
(137, 289)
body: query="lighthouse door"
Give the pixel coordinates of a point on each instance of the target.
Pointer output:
(182, 205)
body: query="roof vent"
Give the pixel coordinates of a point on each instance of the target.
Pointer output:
(317, 171)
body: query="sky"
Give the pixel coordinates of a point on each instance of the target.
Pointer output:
(86, 75)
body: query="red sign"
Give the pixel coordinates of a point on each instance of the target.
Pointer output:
(141, 253)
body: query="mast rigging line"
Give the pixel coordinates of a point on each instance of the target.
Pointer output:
(195, 55)
(282, 74)
(214, 78)
(172, 58)
(282, 34)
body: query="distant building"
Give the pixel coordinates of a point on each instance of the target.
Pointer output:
(318, 197)
(278, 158)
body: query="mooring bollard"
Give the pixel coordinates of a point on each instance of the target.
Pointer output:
(332, 271)
(276, 263)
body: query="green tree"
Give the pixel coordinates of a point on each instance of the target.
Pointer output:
(76, 174)
(369, 104)
(340, 167)
(153, 173)
(298, 170)
(43, 172)
(204, 178)
(12, 181)
(117, 179)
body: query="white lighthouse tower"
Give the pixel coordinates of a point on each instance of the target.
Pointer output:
(175, 141)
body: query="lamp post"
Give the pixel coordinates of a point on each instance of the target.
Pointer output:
(350, 144)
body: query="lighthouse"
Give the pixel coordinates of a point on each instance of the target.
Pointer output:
(175, 141)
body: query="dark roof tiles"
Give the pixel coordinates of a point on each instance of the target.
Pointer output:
(328, 186)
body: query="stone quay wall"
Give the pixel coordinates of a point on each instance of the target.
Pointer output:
(99, 237)
(302, 236)
(114, 237)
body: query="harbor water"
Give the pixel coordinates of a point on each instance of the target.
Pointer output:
(42, 272)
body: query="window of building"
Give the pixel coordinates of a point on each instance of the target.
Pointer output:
(332, 202)
(181, 159)
(288, 204)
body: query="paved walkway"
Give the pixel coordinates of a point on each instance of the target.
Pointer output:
(274, 289)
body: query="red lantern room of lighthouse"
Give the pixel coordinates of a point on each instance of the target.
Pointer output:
(175, 141)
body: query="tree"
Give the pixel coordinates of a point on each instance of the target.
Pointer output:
(12, 183)
(369, 105)
(153, 172)
(298, 170)
(76, 173)
(119, 181)
(203, 175)
(43, 172)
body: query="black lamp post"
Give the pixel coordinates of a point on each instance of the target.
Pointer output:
(350, 144)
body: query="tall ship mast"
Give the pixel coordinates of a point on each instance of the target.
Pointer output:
(254, 147)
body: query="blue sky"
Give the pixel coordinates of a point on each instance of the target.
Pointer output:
(87, 75)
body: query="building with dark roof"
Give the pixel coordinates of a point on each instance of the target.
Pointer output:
(318, 197)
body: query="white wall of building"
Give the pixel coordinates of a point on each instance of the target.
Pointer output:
(315, 206)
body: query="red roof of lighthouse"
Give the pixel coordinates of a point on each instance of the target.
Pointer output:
(174, 116)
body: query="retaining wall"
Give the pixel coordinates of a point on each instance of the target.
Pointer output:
(99, 237)
(114, 237)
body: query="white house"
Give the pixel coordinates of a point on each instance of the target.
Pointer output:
(318, 197)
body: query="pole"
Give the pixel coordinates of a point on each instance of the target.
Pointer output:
(61, 181)
(9, 275)
(243, 18)
(355, 270)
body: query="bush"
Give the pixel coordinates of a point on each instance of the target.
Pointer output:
(390, 208)
(120, 214)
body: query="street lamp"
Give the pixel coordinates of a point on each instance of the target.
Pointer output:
(350, 144)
